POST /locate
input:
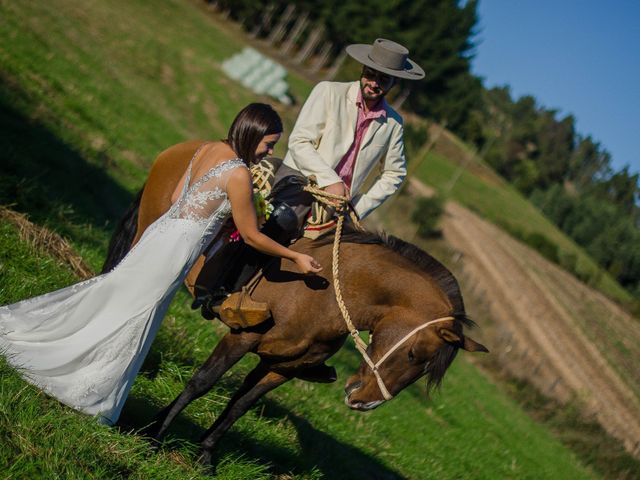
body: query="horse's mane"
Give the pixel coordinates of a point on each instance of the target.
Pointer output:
(440, 274)
(438, 365)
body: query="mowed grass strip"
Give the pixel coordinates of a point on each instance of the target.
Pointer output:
(503, 205)
(606, 326)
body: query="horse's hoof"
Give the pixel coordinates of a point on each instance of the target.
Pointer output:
(152, 433)
(205, 459)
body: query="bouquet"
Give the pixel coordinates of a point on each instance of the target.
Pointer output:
(263, 210)
(263, 207)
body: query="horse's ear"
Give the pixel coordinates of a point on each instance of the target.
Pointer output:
(466, 343)
(470, 345)
(449, 336)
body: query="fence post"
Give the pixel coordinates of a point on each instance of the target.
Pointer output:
(295, 32)
(265, 24)
(333, 71)
(278, 32)
(401, 98)
(554, 384)
(420, 157)
(309, 46)
(322, 57)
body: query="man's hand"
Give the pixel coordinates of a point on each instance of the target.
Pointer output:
(338, 189)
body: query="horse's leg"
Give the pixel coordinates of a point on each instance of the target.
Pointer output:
(229, 350)
(259, 381)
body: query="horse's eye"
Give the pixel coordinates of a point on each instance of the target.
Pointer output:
(411, 357)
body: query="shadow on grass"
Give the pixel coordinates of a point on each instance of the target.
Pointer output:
(50, 181)
(334, 458)
(320, 451)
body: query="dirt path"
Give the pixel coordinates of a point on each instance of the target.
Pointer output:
(539, 333)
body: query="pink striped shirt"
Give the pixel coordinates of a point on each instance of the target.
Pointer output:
(344, 169)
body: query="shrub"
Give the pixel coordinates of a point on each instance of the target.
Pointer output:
(415, 136)
(426, 215)
(543, 245)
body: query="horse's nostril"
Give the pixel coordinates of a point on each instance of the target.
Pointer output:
(354, 386)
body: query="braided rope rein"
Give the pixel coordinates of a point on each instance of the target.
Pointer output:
(330, 199)
(341, 203)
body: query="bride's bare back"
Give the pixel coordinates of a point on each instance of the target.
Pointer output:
(167, 176)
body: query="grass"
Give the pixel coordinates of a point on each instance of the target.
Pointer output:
(609, 332)
(503, 205)
(585, 437)
(302, 430)
(90, 92)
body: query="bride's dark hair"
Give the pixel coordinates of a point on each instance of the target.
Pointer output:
(249, 127)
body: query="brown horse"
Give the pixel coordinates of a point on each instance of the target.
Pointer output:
(409, 302)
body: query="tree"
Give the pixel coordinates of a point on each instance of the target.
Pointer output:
(555, 143)
(440, 36)
(621, 189)
(588, 164)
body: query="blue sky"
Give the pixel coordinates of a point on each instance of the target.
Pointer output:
(578, 57)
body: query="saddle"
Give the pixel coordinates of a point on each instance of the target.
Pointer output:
(224, 286)
(321, 220)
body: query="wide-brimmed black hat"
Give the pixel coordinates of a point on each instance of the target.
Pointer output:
(387, 57)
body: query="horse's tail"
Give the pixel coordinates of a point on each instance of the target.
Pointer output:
(122, 238)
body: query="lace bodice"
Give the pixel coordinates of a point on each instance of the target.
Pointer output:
(206, 198)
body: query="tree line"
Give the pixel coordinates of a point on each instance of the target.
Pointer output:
(438, 33)
(569, 176)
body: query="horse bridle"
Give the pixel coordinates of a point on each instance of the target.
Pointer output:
(374, 366)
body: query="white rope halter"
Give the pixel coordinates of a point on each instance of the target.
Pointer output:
(374, 366)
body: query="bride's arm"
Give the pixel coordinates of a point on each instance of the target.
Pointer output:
(240, 193)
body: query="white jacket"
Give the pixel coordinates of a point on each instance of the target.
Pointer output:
(324, 132)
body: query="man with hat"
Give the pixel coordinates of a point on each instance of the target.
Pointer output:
(345, 129)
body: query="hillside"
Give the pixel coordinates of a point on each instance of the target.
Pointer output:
(546, 326)
(459, 173)
(557, 331)
(89, 95)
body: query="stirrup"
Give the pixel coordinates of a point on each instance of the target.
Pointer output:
(239, 310)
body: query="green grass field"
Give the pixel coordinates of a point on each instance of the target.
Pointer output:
(90, 93)
(469, 430)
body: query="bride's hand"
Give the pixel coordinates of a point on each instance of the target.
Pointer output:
(307, 264)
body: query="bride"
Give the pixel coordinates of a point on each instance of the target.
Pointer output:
(84, 344)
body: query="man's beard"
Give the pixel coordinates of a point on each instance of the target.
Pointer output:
(380, 93)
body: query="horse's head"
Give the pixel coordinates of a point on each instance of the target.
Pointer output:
(403, 350)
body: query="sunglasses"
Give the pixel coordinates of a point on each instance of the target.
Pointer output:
(381, 78)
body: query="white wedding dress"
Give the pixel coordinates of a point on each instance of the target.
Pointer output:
(84, 344)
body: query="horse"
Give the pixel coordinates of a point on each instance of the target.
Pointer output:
(408, 301)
